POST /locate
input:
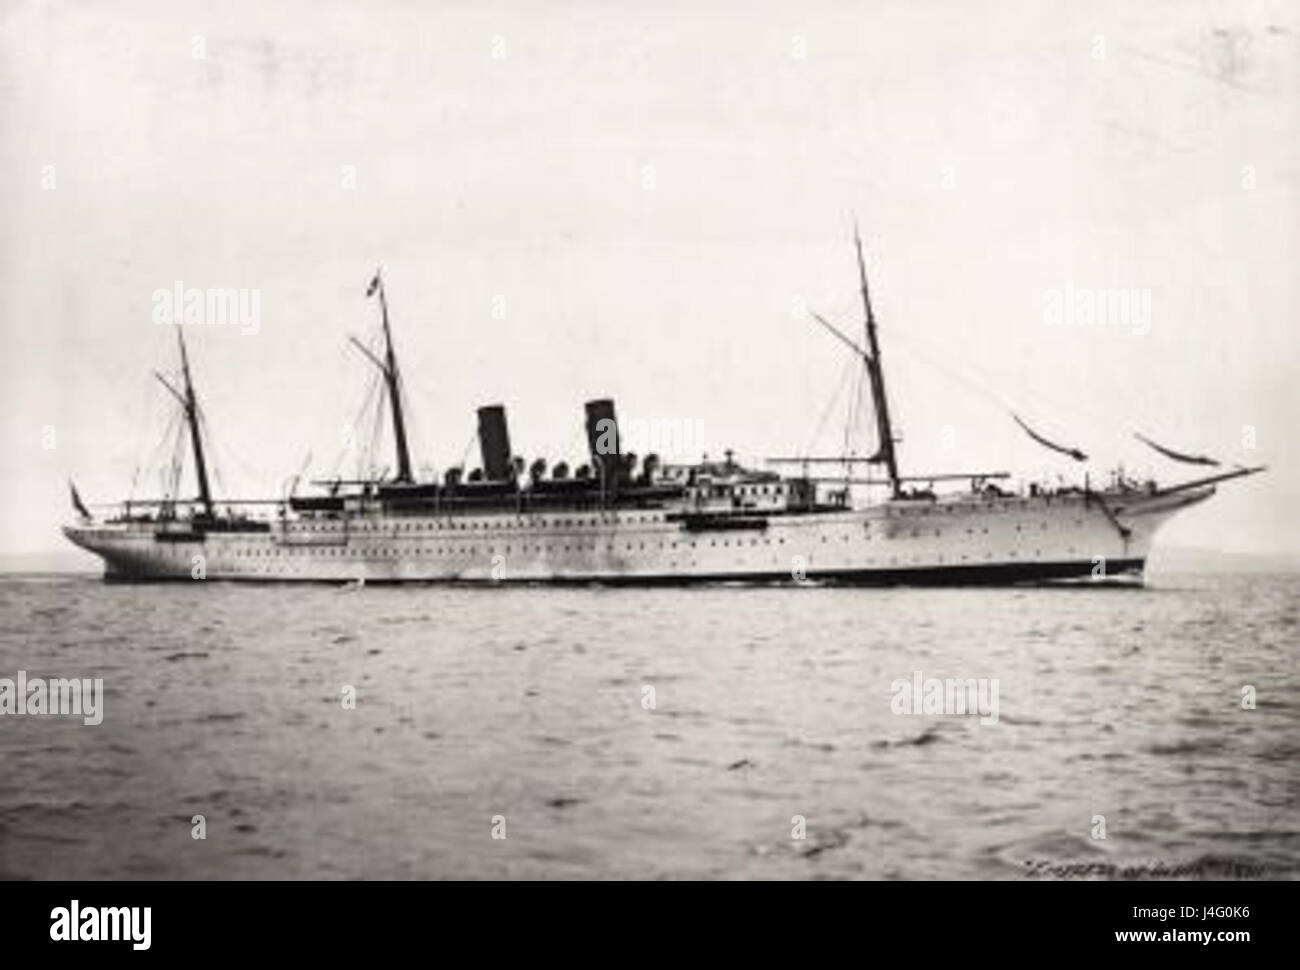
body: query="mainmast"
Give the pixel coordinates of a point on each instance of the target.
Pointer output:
(190, 404)
(880, 403)
(393, 379)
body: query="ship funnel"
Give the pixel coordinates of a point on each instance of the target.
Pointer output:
(602, 440)
(494, 440)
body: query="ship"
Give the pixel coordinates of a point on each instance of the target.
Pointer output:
(803, 519)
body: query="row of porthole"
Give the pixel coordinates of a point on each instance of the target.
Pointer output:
(893, 560)
(535, 524)
(592, 522)
(537, 548)
(301, 550)
(492, 550)
(1019, 528)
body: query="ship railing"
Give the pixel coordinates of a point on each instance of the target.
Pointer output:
(184, 510)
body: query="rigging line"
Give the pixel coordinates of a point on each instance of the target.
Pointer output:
(154, 456)
(379, 433)
(182, 448)
(969, 383)
(218, 452)
(850, 366)
(149, 456)
(468, 445)
(366, 446)
(853, 420)
(163, 441)
(416, 443)
(383, 416)
(372, 445)
(1001, 402)
(222, 452)
(331, 470)
(826, 411)
(352, 447)
(363, 441)
(157, 462)
(173, 486)
(855, 410)
(302, 470)
(911, 345)
(140, 414)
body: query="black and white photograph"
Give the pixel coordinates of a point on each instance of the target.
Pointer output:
(511, 442)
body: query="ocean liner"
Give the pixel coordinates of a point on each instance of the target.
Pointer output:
(612, 520)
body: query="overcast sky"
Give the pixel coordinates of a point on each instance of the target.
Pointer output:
(646, 194)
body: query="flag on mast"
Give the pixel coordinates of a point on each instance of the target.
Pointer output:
(374, 285)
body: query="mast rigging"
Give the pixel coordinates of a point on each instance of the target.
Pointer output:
(388, 367)
(885, 451)
(190, 405)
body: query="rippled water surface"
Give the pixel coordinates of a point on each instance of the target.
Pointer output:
(528, 703)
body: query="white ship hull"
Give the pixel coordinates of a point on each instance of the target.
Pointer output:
(967, 540)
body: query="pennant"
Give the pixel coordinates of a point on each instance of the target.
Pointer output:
(1176, 455)
(1074, 453)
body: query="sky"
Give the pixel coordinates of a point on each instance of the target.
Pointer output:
(641, 202)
